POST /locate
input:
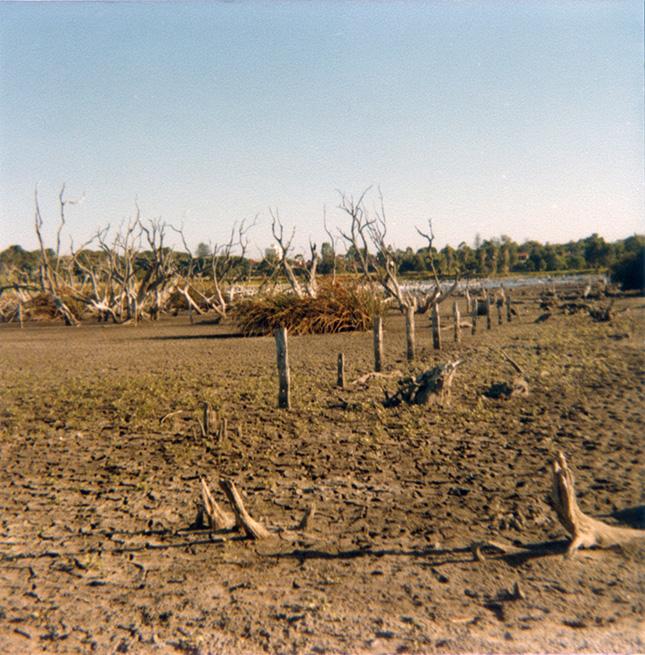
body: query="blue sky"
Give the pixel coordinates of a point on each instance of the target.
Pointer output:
(523, 118)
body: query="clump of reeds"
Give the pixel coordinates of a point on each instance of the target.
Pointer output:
(337, 308)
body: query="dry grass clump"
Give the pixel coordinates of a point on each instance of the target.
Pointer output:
(338, 308)
(41, 307)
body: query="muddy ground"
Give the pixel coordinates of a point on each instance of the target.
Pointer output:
(97, 493)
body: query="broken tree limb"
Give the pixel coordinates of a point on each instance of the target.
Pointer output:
(585, 531)
(243, 519)
(518, 386)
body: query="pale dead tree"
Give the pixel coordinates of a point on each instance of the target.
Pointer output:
(160, 267)
(120, 254)
(185, 281)
(225, 271)
(332, 243)
(225, 264)
(356, 238)
(140, 282)
(436, 295)
(366, 231)
(95, 290)
(307, 268)
(51, 282)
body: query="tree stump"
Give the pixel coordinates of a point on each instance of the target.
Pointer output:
(284, 376)
(433, 385)
(340, 371)
(584, 530)
(243, 519)
(436, 327)
(378, 343)
(457, 320)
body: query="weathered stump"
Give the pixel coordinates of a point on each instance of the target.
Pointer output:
(436, 327)
(584, 530)
(410, 338)
(457, 318)
(340, 372)
(284, 376)
(378, 343)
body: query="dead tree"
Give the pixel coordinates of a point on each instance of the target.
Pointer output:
(138, 278)
(51, 281)
(382, 268)
(307, 268)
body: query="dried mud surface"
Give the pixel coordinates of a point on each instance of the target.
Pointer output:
(97, 494)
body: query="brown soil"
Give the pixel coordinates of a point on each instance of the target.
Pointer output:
(97, 493)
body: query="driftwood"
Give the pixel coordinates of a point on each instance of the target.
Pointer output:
(584, 530)
(433, 385)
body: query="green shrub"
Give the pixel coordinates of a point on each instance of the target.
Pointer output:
(629, 271)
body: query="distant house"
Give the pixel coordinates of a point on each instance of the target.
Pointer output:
(522, 256)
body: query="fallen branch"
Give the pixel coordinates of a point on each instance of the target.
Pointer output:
(368, 377)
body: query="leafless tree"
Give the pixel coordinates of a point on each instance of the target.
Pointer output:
(51, 281)
(306, 267)
(381, 268)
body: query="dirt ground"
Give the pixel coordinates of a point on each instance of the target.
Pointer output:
(97, 494)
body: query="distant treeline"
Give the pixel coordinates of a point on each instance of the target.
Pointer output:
(498, 256)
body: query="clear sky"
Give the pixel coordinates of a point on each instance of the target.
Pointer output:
(522, 117)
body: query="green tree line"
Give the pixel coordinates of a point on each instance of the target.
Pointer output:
(489, 257)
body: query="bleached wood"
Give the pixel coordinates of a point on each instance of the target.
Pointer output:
(584, 530)
(243, 519)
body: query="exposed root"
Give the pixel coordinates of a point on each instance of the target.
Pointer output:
(584, 530)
